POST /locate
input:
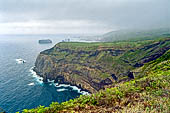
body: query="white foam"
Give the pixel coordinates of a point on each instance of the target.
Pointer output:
(62, 85)
(20, 61)
(50, 81)
(79, 90)
(59, 90)
(31, 84)
(55, 84)
(73, 88)
(76, 88)
(38, 78)
(84, 93)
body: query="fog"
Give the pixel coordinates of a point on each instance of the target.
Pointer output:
(81, 16)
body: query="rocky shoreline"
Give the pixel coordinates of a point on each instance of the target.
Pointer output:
(94, 66)
(79, 89)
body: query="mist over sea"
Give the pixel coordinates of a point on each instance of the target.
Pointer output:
(19, 86)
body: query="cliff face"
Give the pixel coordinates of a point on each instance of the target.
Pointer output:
(94, 66)
(148, 93)
(77, 69)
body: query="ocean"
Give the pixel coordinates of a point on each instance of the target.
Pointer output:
(20, 87)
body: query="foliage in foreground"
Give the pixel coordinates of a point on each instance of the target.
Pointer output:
(149, 93)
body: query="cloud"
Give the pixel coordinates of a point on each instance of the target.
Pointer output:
(48, 27)
(81, 16)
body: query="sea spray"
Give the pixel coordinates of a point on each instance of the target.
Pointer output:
(60, 90)
(38, 78)
(31, 84)
(20, 61)
(51, 82)
(73, 88)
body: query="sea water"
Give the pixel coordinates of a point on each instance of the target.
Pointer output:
(20, 87)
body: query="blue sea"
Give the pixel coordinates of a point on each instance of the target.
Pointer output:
(20, 87)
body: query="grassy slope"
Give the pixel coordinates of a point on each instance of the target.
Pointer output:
(98, 60)
(149, 92)
(105, 58)
(136, 34)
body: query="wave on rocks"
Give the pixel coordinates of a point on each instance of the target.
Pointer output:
(62, 87)
(20, 61)
(31, 84)
(73, 88)
(59, 86)
(38, 78)
(60, 90)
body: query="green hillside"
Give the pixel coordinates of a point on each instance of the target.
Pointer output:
(149, 91)
(135, 34)
(95, 66)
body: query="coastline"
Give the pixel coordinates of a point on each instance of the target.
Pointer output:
(39, 79)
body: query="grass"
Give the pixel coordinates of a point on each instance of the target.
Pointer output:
(99, 45)
(149, 93)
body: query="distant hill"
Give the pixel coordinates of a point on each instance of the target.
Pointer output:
(136, 34)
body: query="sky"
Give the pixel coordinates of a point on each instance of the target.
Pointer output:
(81, 16)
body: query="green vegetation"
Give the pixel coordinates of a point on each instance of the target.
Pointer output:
(88, 64)
(136, 34)
(149, 93)
(149, 60)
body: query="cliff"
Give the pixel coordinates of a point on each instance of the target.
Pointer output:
(147, 93)
(95, 66)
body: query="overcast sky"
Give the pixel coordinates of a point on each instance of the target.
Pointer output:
(81, 16)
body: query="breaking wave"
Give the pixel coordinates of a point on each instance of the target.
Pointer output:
(31, 84)
(38, 78)
(73, 88)
(20, 61)
(60, 90)
(59, 86)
